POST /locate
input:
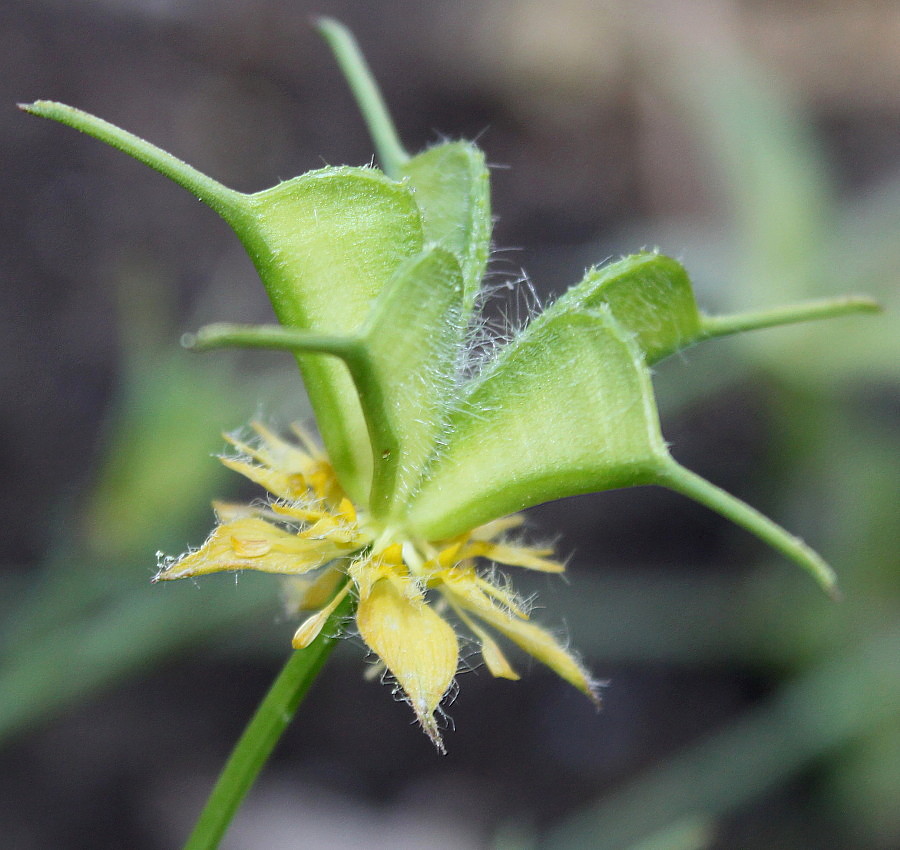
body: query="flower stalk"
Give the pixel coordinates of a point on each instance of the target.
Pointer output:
(263, 732)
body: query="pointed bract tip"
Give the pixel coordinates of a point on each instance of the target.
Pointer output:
(587, 684)
(824, 575)
(324, 24)
(593, 692)
(430, 728)
(865, 304)
(38, 107)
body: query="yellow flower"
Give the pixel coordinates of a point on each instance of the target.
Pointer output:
(311, 533)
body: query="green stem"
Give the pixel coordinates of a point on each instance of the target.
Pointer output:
(255, 746)
(368, 97)
(226, 202)
(688, 483)
(274, 337)
(713, 326)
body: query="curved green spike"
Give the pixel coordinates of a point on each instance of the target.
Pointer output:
(273, 338)
(806, 311)
(227, 202)
(688, 483)
(368, 96)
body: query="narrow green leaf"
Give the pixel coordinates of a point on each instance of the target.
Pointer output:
(512, 443)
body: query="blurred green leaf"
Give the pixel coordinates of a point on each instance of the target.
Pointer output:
(836, 702)
(91, 617)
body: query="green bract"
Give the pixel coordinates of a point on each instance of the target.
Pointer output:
(374, 277)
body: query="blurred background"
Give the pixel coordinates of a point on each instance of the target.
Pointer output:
(758, 142)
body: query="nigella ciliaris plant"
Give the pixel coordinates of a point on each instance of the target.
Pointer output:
(375, 276)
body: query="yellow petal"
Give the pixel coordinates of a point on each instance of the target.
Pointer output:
(391, 556)
(346, 511)
(472, 591)
(245, 448)
(277, 453)
(514, 556)
(320, 529)
(280, 452)
(324, 484)
(493, 656)
(449, 556)
(416, 645)
(286, 485)
(310, 628)
(285, 469)
(252, 544)
(495, 659)
(309, 443)
(301, 514)
(324, 526)
(539, 643)
(505, 596)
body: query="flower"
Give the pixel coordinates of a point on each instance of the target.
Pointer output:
(376, 279)
(311, 533)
